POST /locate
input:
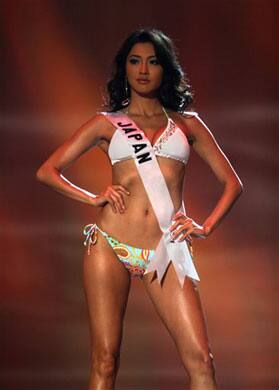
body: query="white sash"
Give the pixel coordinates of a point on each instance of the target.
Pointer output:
(160, 199)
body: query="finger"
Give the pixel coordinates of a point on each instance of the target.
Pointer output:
(186, 228)
(119, 195)
(174, 233)
(121, 188)
(111, 202)
(186, 235)
(174, 226)
(178, 215)
(122, 192)
(180, 222)
(187, 238)
(116, 202)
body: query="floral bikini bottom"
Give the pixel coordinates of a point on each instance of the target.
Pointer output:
(135, 260)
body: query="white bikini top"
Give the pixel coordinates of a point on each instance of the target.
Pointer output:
(172, 143)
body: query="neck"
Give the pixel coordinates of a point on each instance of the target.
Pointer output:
(144, 106)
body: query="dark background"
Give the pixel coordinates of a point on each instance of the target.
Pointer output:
(55, 60)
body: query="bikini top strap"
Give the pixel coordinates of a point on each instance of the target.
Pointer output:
(112, 117)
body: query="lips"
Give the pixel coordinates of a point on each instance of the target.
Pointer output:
(143, 81)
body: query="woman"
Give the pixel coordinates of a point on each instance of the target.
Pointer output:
(141, 222)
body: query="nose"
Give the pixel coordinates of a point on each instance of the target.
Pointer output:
(144, 67)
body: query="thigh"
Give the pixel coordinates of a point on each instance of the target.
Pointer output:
(107, 284)
(181, 311)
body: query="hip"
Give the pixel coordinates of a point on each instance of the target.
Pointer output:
(139, 227)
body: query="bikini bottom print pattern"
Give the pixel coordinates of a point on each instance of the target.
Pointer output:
(135, 260)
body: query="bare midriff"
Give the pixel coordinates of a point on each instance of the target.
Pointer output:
(137, 225)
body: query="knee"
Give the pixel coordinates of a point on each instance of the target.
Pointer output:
(105, 363)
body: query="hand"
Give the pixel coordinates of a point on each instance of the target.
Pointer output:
(114, 195)
(188, 228)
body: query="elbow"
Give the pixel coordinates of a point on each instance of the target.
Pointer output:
(40, 174)
(238, 187)
(44, 174)
(235, 185)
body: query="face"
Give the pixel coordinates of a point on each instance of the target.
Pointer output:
(143, 71)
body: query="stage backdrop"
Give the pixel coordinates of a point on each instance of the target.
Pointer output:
(56, 58)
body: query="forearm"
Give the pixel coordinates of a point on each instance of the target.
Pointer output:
(230, 195)
(54, 179)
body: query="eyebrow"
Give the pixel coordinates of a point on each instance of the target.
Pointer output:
(137, 55)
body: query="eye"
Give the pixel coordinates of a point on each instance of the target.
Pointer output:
(133, 60)
(154, 61)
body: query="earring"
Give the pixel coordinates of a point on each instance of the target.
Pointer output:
(126, 102)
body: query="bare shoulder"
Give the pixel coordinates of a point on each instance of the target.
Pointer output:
(195, 128)
(90, 134)
(206, 146)
(186, 122)
(98, 125)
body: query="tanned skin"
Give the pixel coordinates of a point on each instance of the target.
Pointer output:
(123, 204)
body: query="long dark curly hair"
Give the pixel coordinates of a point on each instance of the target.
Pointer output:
(175, 92)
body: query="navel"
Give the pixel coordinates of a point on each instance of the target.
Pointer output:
(146, 211)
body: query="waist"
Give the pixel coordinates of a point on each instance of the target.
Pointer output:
(138, 228)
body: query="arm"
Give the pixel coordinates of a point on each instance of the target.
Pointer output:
(87, 136)
(207, 148)
(49, 173)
